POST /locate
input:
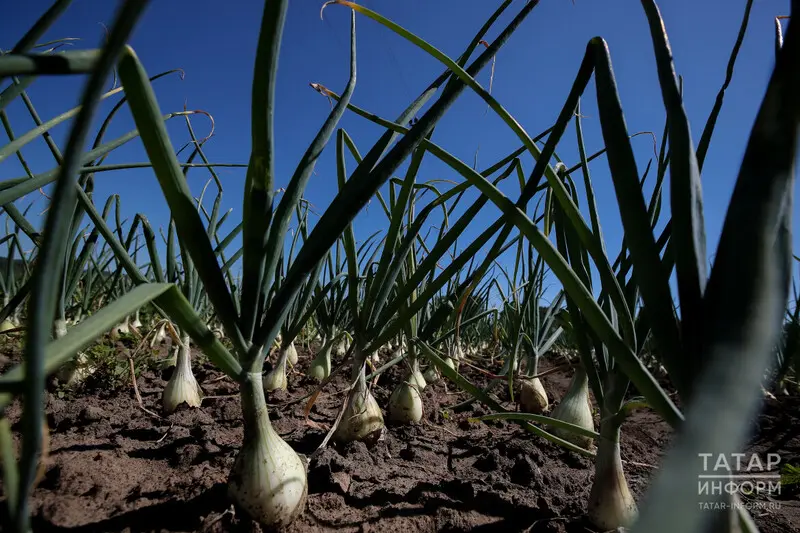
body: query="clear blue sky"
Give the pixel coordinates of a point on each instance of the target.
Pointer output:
(534, 71)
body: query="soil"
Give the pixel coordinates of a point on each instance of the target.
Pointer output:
(113, 467)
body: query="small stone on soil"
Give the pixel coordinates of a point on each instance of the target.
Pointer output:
(92, 413)
(341, 480)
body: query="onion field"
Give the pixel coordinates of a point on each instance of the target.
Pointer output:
(484, 359)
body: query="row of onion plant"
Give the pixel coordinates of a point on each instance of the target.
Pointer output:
(700, 333)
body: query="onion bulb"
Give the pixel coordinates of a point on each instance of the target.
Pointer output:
(291, 352)
(136, 322)
(431, 375)
(321, 365)
(611, 504)
(10, 322)
(458, 352)
(268, 478)
(122, 328)
(276, 379)
(219, 331)
(362, 419)
(417, 379)
(182, 386)
(532, 396)
(341, 347)
(405, 403)
(60, 328)
(76, 369)
(574, 409)
(160, 336)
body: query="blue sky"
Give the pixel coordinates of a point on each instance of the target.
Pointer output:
(534, 71)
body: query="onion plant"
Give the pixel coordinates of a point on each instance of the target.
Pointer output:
(539, 332)
(441, 323)
(519, 328)
(332, 314)
(611, 503)
(311, 299)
